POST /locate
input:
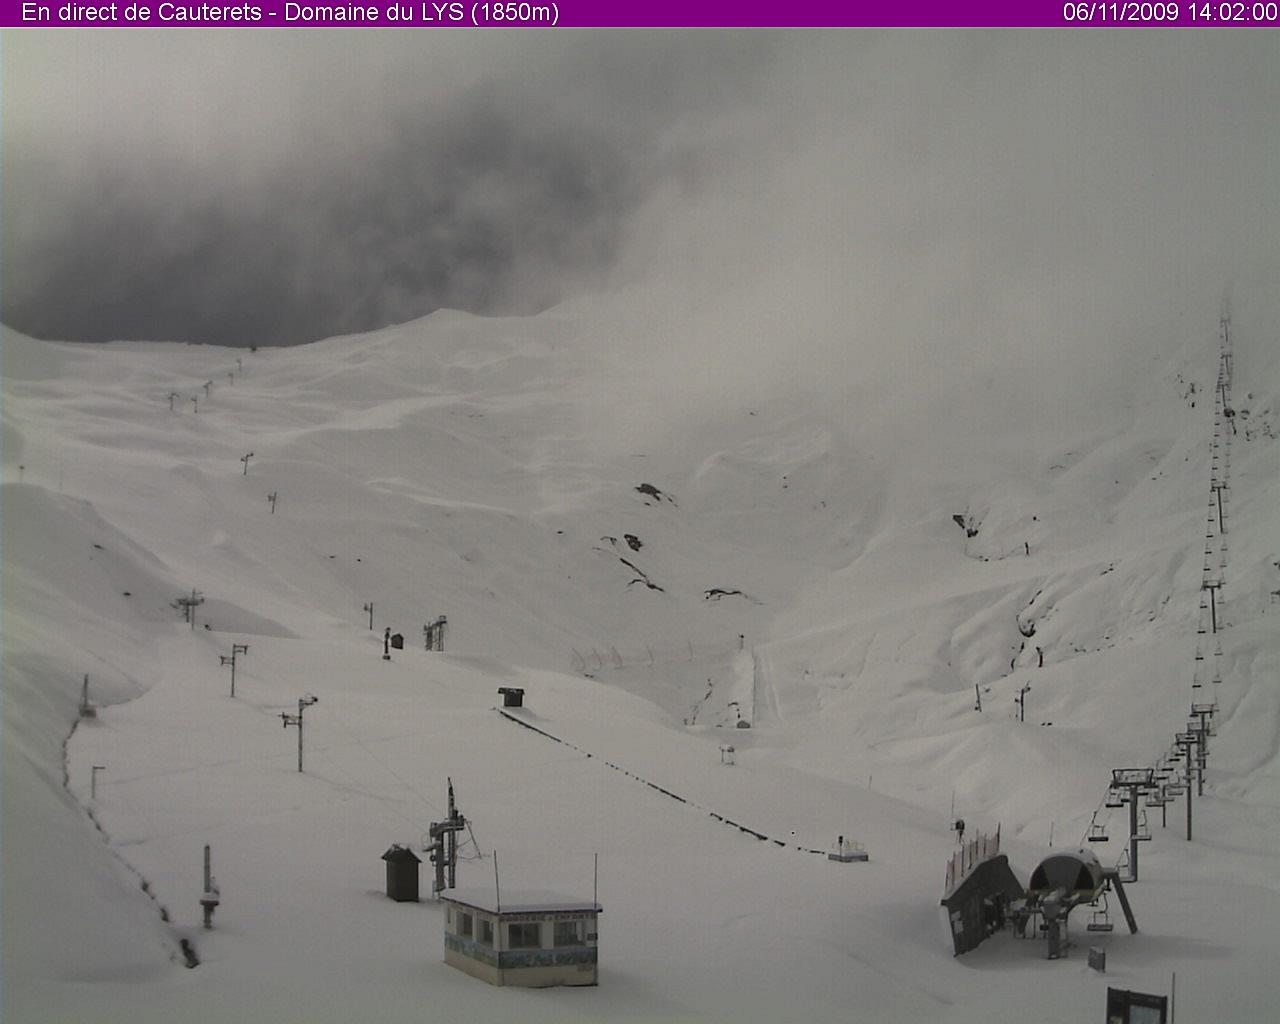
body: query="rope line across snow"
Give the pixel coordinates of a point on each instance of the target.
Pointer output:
(653, 785)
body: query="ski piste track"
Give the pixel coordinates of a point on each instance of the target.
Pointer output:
(660, 789)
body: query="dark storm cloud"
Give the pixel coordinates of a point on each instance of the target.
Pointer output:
(247, 190)
(781, 209)
(446, 211)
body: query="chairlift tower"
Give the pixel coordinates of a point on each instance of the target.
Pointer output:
(1128, 785)
(1217, 489)
(1213, 586)
(1204, 712)
(188, 606)
(1186, 742)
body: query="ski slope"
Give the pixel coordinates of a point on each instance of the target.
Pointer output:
(791, 564)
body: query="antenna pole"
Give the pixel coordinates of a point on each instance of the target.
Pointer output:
(595, 882)
(497, 889)
(451, 840)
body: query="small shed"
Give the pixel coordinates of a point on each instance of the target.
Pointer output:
(978, 905)
(402, 874)
(532, 938)
(397, 641)
(512, 696)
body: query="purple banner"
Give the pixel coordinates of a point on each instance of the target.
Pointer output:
(634, 13)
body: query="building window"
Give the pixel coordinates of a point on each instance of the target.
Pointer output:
(464, 925)
(524, 936)
(486, 931)
(568, 933)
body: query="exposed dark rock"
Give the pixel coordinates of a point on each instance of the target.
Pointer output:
(715, 593)
(641, 577)
(650, 491)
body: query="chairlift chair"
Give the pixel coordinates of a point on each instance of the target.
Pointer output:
(1115, 797)
(1097, 830)
(1100, 919)
(1144, 830)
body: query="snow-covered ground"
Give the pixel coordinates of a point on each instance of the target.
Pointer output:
(788, 564)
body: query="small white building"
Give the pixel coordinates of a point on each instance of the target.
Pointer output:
(532, 938)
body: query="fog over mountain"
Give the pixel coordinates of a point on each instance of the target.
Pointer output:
(271, 188)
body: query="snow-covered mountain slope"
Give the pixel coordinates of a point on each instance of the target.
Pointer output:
(652, 571)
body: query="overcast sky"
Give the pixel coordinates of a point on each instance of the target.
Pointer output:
(247, 187)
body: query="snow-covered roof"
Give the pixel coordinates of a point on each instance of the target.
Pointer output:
(518, 901)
